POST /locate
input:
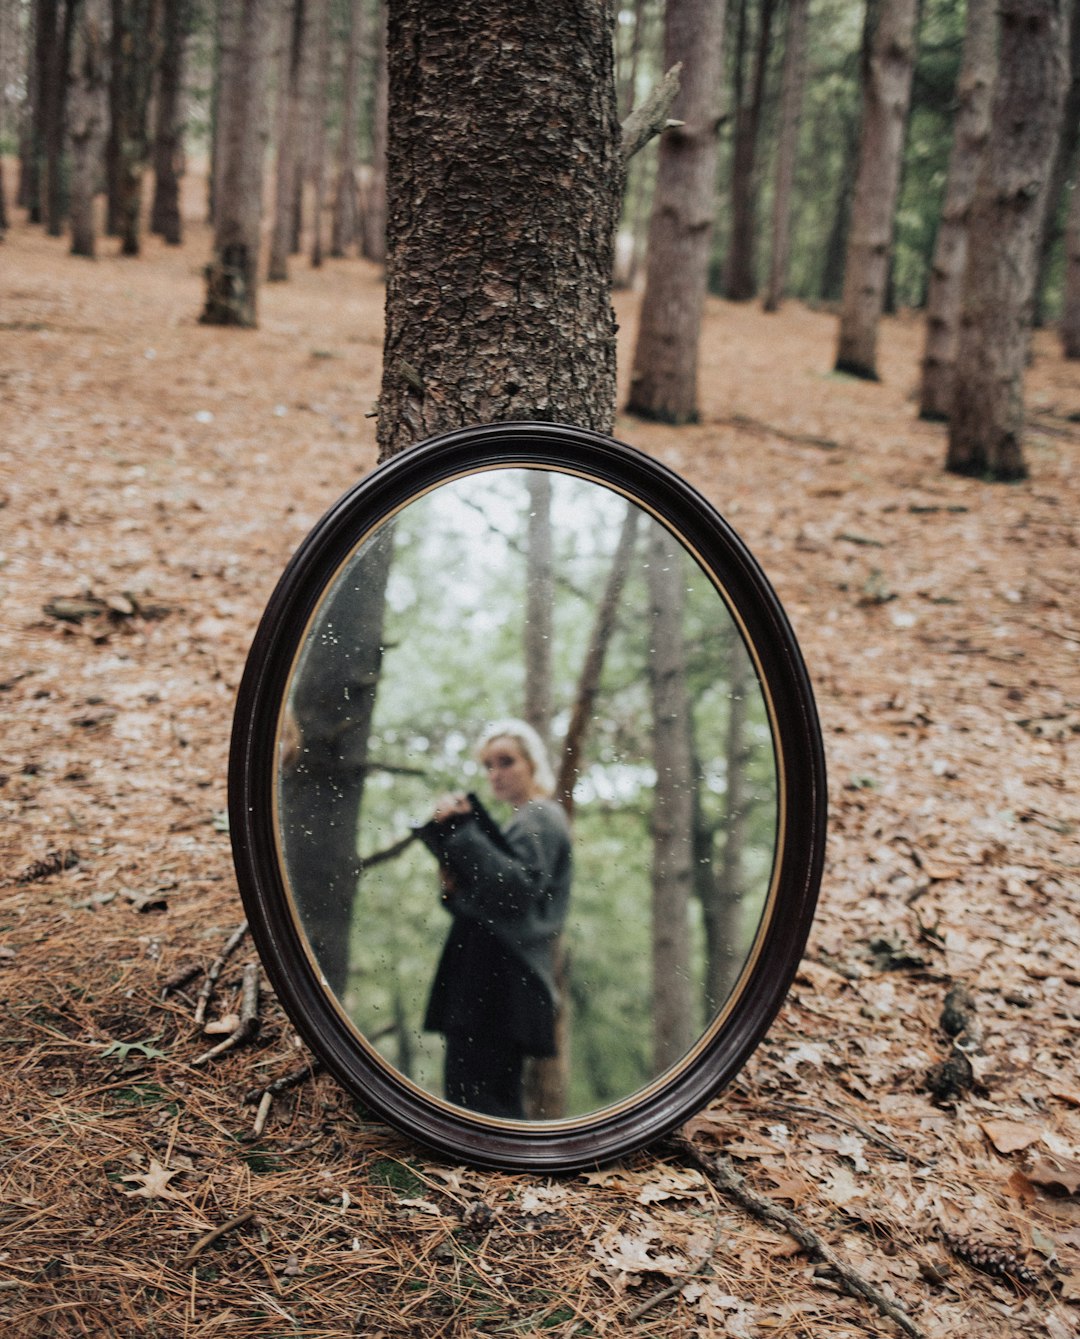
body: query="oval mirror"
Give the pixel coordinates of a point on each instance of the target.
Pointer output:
(527, 796)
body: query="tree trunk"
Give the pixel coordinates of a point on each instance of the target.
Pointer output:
(136, 25)
(504, 179)
(88, 115)
(165, 217)
(664, 380)
(986, 422)
(724, 931)
(55, 122)
(790, 107)
(887, 72)
(317, 102)
(831, 284)
(740, 278)
(1070, 316)
(232, 274)
(673, 1010)
(1061, 173)
(323, 788)
(375, 198)
(224, 39)
(289, 127)
(44, 61)
(974, 93)
(539, 607)
(343, 233)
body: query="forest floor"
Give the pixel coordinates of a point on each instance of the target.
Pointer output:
(161, 472)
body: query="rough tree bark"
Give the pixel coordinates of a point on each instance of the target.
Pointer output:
(504, 179)
(673, 1006)
(290, 123)
(740, 276)
(888, 65)
(725, 949)
(344, 229)
(791, 97)
(664, 378)
(986, 420)
(232, 274)
(974, 92)
(165, 217)
(374, 223)
(56, 122)
(88, 116)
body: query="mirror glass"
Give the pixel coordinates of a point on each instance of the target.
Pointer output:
(569, 933)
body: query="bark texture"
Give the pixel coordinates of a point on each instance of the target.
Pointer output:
(986, 422)
(88, 115)
(887, 73)
(673, 1005)
(232, 274)
(791, 97)
(169, 132)
(319, 92)
(974, 94)
(664, 378)
(504, 178)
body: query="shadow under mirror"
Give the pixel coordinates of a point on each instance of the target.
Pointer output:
(537, 922)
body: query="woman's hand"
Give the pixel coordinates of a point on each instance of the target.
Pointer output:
(450, 805)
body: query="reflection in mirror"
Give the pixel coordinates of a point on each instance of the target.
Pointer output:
(526, 594)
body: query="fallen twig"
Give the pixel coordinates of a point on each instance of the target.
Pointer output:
(265, 1096)
(213, 1235)
(870, 1135)
(249, 1018)
(214, 971)
(704, 1267)
(723, 1175)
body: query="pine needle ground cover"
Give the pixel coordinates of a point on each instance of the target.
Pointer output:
(156, 476)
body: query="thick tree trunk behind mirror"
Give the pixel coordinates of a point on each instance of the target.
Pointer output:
(503, 184)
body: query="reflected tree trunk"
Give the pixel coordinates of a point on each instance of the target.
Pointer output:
(539, 606)
(674, 1011)
(724, 930)
(974, 92)
(987, 412)
(589, 679)
(325, 761)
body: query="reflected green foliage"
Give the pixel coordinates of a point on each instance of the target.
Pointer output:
(453, 660)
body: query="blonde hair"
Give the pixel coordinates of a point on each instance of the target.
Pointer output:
(531, 745)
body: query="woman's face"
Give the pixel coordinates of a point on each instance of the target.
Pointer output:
(509, 771)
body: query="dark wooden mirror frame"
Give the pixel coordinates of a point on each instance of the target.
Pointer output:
(727, 1044)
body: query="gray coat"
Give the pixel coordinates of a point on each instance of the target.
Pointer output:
(509, 901)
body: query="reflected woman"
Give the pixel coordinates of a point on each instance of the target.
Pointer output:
(494, 995)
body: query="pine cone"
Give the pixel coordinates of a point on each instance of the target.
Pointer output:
(996, 1260)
